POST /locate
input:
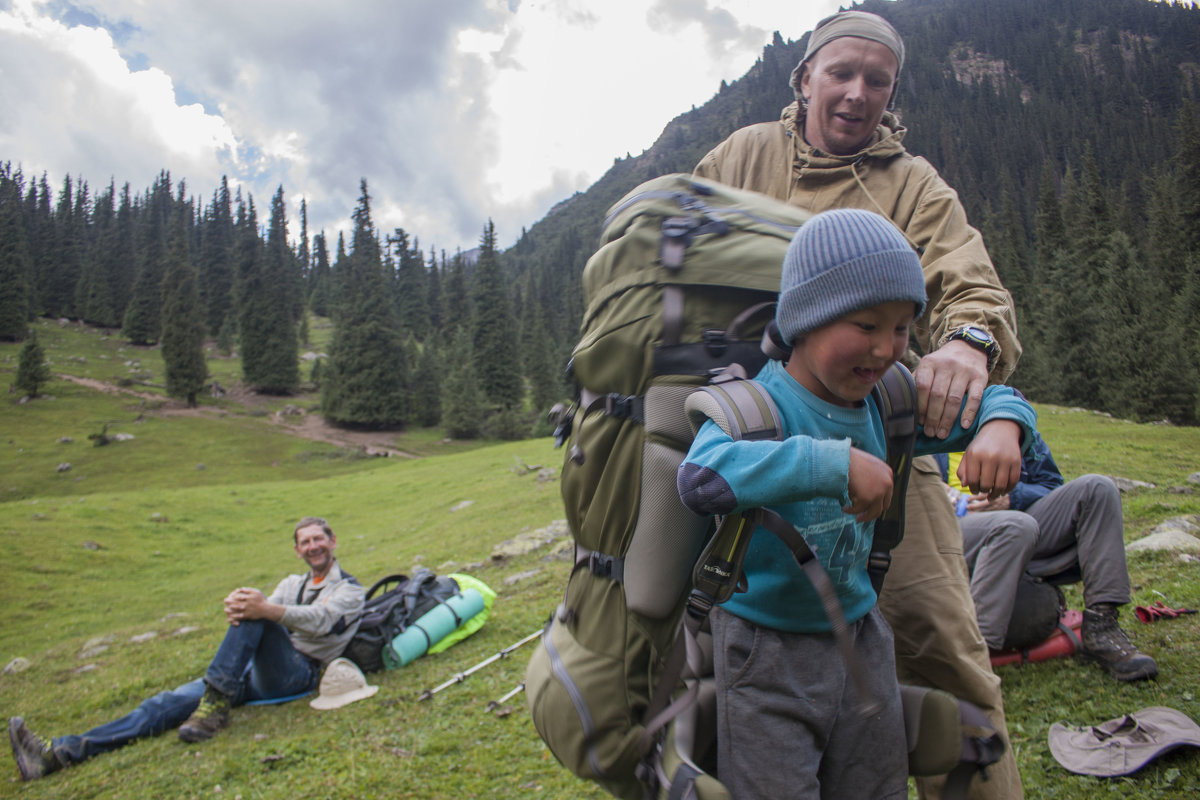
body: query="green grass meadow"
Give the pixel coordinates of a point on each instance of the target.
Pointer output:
(147, 535)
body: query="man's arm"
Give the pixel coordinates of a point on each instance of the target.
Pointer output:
(963, 289)
(338, 605)
(244, 603)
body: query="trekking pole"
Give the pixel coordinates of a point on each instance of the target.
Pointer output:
(498, 708)
(459, 677)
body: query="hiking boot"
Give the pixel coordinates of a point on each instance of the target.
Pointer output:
(1105, 643)
(35, 758)
(209, 717)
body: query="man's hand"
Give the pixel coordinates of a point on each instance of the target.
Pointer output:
(981, 502)
(944, 377)
(243, 603)
(870, 486)
(991, 464)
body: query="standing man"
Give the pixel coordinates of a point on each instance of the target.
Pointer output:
(838, 146)
(274, 649)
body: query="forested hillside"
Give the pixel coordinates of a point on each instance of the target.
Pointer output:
(1070, 129)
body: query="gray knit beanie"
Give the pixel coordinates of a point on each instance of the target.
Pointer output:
(842, 261)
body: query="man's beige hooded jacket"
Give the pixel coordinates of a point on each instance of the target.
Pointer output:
(963, 288)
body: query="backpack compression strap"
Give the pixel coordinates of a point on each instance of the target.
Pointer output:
(896, 396)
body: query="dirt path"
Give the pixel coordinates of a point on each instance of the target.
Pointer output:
(301, 423)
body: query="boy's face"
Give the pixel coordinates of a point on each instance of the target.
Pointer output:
(840, 361)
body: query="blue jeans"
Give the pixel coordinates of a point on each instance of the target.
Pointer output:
(256, 661)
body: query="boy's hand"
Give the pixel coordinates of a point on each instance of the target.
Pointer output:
(870, 486)
(991, 464)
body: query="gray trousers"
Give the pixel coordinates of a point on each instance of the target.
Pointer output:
(1075, 528)
(788, 715)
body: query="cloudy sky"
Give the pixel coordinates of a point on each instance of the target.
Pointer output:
(455, 111)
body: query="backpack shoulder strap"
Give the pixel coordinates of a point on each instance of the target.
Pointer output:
(742, 408)
(896, 396)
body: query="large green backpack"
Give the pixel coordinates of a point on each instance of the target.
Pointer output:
(678, 297)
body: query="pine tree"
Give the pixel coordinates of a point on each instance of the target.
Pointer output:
(143, 324)
(425, 394)
(433, 294)
(320, 278)
(365, 382)
(226, 335)
(97, 303)
(15, 263)
(32, 369)
(182, 318)
(411, 287)
(462, 401)
(58, 284)
(456, 300)
(215, 265)
(537, 350)
(497, 364)
(266, 328)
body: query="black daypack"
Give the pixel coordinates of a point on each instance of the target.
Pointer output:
(388, 612)
(1037, 608)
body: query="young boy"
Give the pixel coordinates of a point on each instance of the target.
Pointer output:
(788, 719)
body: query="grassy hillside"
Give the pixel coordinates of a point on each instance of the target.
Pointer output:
(147, 543)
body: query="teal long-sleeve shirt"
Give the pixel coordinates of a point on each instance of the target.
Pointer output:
(805, 478)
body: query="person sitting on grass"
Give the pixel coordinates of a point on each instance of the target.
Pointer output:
(787, 712)
(1062, 532)
(275, 648)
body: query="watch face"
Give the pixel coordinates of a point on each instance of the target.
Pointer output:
(978, 333)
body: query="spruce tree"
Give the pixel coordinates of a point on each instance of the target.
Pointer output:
(411, 287)
(538, 352)
(97, 301)
(266, 328)
(142, 323)
(15, 264)
(497, 363)
(425, 394)
(365, 382)
(32, 369)
(320, 278)
(215, 266)
(456, 299)
(58, 283)
(182, 318)
(462, 401)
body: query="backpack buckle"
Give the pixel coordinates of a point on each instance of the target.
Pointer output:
(715, 342)
(623, 406)
(605, 566)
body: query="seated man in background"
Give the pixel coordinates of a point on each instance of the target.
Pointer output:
(1062, 532)
(274, 649)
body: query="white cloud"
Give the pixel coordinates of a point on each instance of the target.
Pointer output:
(454, 111)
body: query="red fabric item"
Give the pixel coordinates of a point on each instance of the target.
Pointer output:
(1154, 613)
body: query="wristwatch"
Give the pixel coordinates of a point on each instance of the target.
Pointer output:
(980, 339)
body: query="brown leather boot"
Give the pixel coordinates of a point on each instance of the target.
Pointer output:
(35, 758)
(209, 717)
(1105, 643)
